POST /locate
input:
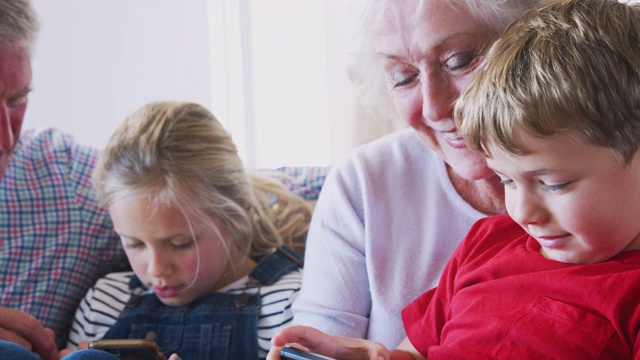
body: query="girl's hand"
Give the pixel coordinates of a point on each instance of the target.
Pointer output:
(174, 357)
(338, 347)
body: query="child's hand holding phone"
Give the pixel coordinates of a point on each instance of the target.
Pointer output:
(291, 353)
(131, 349)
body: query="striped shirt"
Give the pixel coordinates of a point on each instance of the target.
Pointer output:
(104, 302)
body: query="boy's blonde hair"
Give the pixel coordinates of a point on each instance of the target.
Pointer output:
(569, 65)
(178, 153)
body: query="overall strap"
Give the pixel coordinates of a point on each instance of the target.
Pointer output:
(277, 264)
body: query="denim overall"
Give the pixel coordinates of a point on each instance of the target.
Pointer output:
(219, 326)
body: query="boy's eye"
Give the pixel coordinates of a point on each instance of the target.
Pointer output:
(557, 187)
(507, 182)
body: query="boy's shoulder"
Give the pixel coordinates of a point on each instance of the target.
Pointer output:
(497, 224)
(492, 234)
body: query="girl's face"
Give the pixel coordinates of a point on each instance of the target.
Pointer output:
(577, 199)
(180, 263)
(428, 60)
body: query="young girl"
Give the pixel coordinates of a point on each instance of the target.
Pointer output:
(210, 278)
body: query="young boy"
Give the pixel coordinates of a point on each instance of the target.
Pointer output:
(555, 108)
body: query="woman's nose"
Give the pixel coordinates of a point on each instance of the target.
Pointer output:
(438, 97)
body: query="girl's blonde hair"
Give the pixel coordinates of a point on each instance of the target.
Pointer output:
(178, 153)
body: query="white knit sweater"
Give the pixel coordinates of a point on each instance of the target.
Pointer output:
(387, 221)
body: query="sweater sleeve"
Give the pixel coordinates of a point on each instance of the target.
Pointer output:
(335, 261)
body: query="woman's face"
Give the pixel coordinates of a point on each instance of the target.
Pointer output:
(428, 60)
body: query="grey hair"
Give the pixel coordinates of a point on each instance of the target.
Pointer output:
(18, 22)
(367, 15)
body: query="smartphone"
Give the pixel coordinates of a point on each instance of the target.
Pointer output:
(291, 353)
(129, 349)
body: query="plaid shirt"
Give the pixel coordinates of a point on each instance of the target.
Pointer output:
(55, 241)
(304, 181)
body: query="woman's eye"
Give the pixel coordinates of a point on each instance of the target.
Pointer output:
(460, 61)
(406, 81)
(400, 78)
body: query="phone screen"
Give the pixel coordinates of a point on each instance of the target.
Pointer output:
(129, 349)
(291, 353)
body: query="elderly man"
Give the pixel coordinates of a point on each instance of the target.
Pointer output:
(55, 241)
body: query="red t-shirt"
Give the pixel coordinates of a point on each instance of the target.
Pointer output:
(499, 298)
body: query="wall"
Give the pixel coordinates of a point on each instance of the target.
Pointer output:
(271, 70)
(96, 61)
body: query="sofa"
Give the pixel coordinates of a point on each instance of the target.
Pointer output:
(304, 181)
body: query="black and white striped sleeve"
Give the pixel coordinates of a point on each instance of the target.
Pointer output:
(100, 308)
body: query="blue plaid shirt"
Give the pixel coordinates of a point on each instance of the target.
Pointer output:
(55, 241)
(304, 181)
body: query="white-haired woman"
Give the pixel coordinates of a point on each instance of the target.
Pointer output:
(391, 214)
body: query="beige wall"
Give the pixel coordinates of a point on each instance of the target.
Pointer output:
(271, 70)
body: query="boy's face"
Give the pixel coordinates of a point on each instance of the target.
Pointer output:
(164, 253)
(578, 200)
